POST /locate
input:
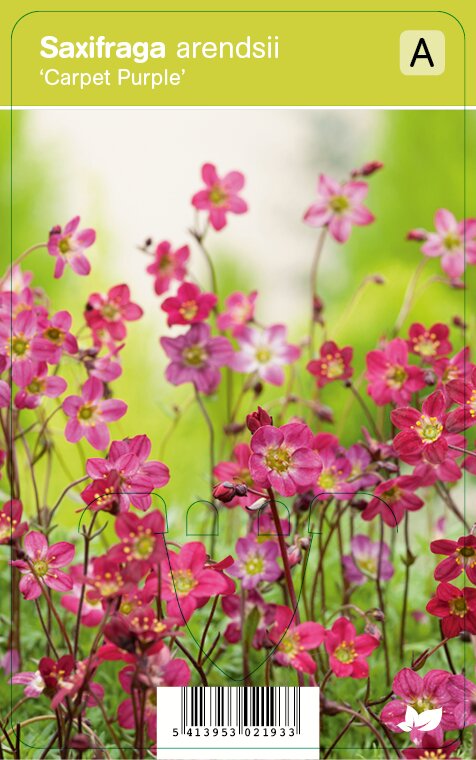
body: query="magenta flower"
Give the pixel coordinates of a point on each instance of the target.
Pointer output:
(231, 606)
(448, 471)
(423, 434)
(11, 526)
(168, 265)
(264, 352)
(187, 583)
(91, 610)
(256, 562)
(448, 242)
(338, 207)
(78, 679)
(431, 747)
(463, 693)
(36, 383)
(197, 358)
(110, 312)
(237, 471)
(429, 344)
(461, 555)
(391, 378)
(347, 651)
(68, 246)
(360, 459)
(333, 364)
(367, 560)
(5, 395)
(283, 459)
(334, 478)
(89, 414)
(141, 539)
(456, 607)
(128, 473)
(429, 692)
(16, 337)
(43, 565)
(220, 196)
(393, 498)
(189, 305)
(456, 368)
(295, 641)
(47, 677)
(239, 310)
(54, 338)
(463, 393)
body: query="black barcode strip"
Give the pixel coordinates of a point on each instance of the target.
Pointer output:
(241, 707)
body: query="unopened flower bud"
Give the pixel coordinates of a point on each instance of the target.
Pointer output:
(258, 419)
(258, 388)
(317, 309)
(372, 630)
(377, 614)
(80, 742)
(419, 661)
(378, 279)
(234, 428)
(56, 230)
(225, 491)
(367, 169)
(303, 501)
(294, 554)
(429, 377)
(418, 234)
(148, 242)
(459, 322)
(322, 412)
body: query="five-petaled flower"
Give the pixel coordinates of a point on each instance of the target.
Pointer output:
(338, 207)
(456, 607)
(89, 413)
(429, 344)
(42, 565)
(255, 562)
(391, 378)
(333, 364)
(461, 555)
(168, 265)
(293, 642)
(11, 526)
(109, 312)
(220, 196)
(348, 652)
(239, 310)
(423, 434)
(449, 242)
(264, 352)
(367, 560)
(197, 358)
(190, 305)
(68, 246)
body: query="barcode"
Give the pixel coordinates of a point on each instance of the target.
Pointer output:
(241, 707)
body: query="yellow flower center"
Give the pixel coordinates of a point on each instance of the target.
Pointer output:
(110, 311)
(189, 309)
(423, 703)
(40, 567)
(217, 196)
(86, 412)
(194, 356)
(290, 645)
(35, 386)
(263, 355)
(472, 404)
(396, 376)
(143, 547)
(466, 551)
(426, 345)
(333, 367)
(345, 652)
(327, 480)
(64, 245)
(278, 459)
(53, 334)
(339, 203)
(451, 241)
(429, 428)
(368, 565)
(254, 564)
(20, 346)
(184, 581)
(458, 606)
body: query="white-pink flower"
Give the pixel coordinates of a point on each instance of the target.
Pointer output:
(449, 242)
(338, 207)
(42, 565)
(265, 352)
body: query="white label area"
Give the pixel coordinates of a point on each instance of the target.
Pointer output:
(237, 723)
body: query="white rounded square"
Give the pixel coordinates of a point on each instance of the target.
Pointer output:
(422, 52)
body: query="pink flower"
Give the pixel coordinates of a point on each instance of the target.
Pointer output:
(449, 242)
(43, 565)
(168, 265)
(334, 478)
(461, 555)
(393, 498)
(264, 352)
(220, 195)
(68, 246)
(448, 471)
(189, 305)
(240, 310)
(333, 364)
(231, 606)
(431, 747)
(108, 578)
(463, 693)
(338, 207)
(237, 471)
(91, 610)
(463, 393)
(429, 344)
(348, 652)
(429, 692)
(391, 378)
(187, 583)
(36, 383)
(16, 338)
(256, 562)
(79, 679)
(5, 395)
(423, 434)
(360, 460)
(142, 542)
(89, 414)
(283, 459)
(197, 358)
(54, 338)
(367, 560)
(454, 368)
(31, 680)
(110, 312)
(293, 642)
(456, 607)
(128, 473)
(11, 526)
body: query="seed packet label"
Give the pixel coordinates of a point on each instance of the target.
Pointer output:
(241, 723)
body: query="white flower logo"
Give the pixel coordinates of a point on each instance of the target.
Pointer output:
(424, 721)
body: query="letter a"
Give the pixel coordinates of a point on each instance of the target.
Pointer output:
(417, 54)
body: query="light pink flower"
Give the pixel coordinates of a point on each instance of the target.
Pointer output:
(449, 242)
(368, 559)
(68, 247)
(283, 459)
(255, 562)
(54, 338)
(36, 383)
(338, 207)
(239, 310)
(220, 195)
(43, 566)
(197, 358)
(264, 352)
(89, 414)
